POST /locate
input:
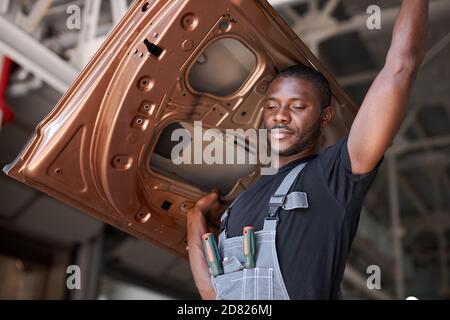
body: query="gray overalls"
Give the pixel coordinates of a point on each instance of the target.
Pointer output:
(264, 282)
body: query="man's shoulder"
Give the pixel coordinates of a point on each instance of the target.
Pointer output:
(334, 148)
(333, 154)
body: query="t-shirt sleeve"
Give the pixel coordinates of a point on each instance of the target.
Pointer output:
(346, 187)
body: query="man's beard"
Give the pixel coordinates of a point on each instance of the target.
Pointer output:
(306, 139)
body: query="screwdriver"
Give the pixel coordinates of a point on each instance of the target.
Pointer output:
(249, 247)
(212, 254)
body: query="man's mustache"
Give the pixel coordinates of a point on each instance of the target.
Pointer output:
(281, 126)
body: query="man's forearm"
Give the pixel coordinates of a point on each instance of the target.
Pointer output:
(407, 46)
(196, 228)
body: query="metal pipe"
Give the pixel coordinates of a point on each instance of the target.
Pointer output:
(4, 6)
(32, 55)
(279, 3)
(397, 232)
(30, 22)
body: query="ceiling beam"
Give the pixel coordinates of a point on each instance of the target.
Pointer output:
(413, 196)
(33, 56)
(397, 230)
(425, 143)
(4, 6)
(118, 9)
(280, 3)
(29, 22)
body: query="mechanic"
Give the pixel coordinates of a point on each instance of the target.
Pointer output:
(304, 238)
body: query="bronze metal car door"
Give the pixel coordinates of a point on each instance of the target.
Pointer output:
(105, 146)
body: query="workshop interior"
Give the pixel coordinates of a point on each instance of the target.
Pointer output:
(92, 90)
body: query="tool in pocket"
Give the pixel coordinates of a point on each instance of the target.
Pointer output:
(212, 254)
(249, 247)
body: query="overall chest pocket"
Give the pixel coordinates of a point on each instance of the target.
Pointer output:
(238, 283)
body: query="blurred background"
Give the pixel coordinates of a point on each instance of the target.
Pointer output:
(405, 224)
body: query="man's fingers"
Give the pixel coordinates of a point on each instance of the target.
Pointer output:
(205, 203)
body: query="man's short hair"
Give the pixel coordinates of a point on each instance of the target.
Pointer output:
(318, 80)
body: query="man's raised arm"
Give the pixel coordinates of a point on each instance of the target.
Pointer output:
(385, 104)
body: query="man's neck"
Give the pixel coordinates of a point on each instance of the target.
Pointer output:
(284, 160)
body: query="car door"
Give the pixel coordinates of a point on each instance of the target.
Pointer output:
(105, 148)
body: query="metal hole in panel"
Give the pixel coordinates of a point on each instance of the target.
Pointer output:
(229, 63)
(145, 6)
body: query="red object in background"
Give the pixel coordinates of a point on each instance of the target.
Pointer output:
(8, 115)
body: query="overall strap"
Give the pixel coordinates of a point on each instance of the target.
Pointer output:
(276, 201)
(224, 220)
(279, 197)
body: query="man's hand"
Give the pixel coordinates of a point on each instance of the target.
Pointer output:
(208, 211)
(202, 218)
(384, 106)
(212, 208)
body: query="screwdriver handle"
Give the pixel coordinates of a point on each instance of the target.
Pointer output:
(212, 254)
(249, 247)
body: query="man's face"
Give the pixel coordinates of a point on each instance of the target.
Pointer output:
(293, 114)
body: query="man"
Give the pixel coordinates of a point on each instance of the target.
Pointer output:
(313, 243)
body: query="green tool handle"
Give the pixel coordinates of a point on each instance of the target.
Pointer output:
(249, 247)
(212, 254)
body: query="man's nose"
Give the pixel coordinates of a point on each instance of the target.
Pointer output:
(282, 115)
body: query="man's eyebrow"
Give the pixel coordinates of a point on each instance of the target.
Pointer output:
(290, 99)
(298, 98)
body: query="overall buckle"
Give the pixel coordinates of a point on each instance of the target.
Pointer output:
(276, 201)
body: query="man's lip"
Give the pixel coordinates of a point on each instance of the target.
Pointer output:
(280, 134)
(281, 129)
(284, 131)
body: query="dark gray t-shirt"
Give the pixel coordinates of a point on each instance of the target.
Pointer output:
(313, 244)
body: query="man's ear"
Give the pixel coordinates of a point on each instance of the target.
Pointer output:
(327, 115)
